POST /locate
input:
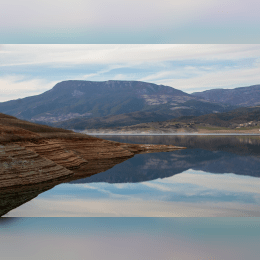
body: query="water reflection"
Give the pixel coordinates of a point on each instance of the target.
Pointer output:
(215, 176)
(161, 165)
(243, 145)
(190, 194)
(13, 197)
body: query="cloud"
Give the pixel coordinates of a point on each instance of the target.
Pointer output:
(189, 67)
(216, 182)
(157, 186)
(134, 207)
(216, 79)
(125, 54)
(14, 87)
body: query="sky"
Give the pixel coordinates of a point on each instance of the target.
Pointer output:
(158, 41)
(31, 69)
(135, 21)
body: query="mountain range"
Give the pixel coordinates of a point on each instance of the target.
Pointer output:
(79, 105)
(243, 96)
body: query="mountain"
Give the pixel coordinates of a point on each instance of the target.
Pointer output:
(244, 96)
(86, 99)
(112, 121)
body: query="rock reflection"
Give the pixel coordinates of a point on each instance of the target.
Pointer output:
(13, 197)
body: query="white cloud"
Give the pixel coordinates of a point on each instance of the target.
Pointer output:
(216, 79)
(204, 66)
(116, 54)
(216, 182)
(14, 87)
(157, 186)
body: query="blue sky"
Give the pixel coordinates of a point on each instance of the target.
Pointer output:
(27, 70)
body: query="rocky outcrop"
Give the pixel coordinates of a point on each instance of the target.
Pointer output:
(35, 158)
(32, 153)
(19, 166)
(32, 167)
(35, 161)
(78, 154)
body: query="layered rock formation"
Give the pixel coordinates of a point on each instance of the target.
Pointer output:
(34, 161)
(33, 155)
(19, 166)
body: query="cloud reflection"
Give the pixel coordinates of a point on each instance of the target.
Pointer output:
(192, 193)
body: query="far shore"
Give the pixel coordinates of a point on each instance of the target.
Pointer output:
(199, 132)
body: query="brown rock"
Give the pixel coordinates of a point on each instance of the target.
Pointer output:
(32, 153)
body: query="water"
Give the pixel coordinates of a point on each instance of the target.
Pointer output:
(215, 176)
(130, 238)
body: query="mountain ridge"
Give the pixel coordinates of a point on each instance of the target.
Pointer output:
(242, 96)
(89, 99)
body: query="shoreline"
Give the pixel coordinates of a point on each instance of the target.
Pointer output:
(176, 133)
(162, 131)
(114, 134)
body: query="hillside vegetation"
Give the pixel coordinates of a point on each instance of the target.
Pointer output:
(238, 119)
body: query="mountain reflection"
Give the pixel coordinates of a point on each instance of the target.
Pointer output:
(210, 154)
(214, 154)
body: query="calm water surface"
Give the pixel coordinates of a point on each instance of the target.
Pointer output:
(214, 176)
(130, 238)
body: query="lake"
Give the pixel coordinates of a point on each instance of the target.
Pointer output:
(130, 238)
(215, 176)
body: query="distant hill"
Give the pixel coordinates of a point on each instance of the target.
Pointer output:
(239, 118)
(81, 100)
(240, 115)
(243, 97)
